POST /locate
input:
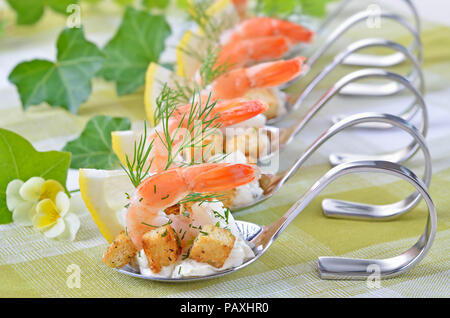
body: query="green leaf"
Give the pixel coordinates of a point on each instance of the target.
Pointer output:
(138, 42)
(19, 160)
(66, 83)
(93, 149)
(183, 4)
(2, 27)
(287, 7)
(314, 7)
(160, 4)
(30, 11)
(124, 2)
(275, 7)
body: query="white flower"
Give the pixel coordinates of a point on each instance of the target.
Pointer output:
(21, 207)
(55, 219)
(22, 197)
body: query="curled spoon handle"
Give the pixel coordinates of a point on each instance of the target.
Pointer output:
(349, 268)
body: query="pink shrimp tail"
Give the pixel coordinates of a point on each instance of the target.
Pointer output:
(234, 112)
(219, 177)
(275, 73)
(238, 82)
(241, 7)
(241, 52)
(265, 26)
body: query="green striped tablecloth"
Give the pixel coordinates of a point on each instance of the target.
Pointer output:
(31, 266)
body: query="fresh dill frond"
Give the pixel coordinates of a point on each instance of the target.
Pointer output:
(209, 69)
(223, 217)
(184, 90)
(157, 226)
(185, 256)
(139, 168)
(201, 197)
(154, 226)
(218, 157)
(167, 98)
(191, 132)
(211, 27)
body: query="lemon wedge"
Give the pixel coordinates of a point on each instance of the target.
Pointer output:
(155, 78)
(187, 64)
(123, 144)
(103, 192)
(219, 12)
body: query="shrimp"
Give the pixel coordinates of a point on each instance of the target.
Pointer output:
(167, 188)
(224, 113)
(240, 53)
(265, 26)
(241, 8)
(238, 82)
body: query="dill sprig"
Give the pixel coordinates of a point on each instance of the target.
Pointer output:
(201, 197)
(191, 132)
(168, 98)
(223, 217)
(136, 169)
(209, 70)
(211, 27)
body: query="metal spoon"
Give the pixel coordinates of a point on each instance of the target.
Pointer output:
(349, 88)
(286, 135)
(271, 183)
(367, 59)
(261, 238)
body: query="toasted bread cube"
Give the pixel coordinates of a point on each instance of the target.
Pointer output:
(267, 95)
(212, 245)
(174, 209)
(120, 252)
(227, 197)
(161, 247)
(253, 143)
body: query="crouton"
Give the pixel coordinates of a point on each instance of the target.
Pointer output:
(253, 143)
(120, 252)
(179, 208)
(162, 247)
(174, 209)
(226, 197)
(267, 95)
(212, 245)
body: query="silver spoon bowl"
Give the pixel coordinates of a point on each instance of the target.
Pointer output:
(286, 135)
(260, 238)
(369, 60)
(271, 183)
(348, 84)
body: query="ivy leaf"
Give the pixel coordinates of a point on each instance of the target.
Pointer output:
(124, 2)
(65, 83)
(309, 7)
(160, 4)
(93, 149)
(30, 11)
(182, 4)
(139, 41)
(315, 7)
(2, 27)
(276, 7)
(19, 160)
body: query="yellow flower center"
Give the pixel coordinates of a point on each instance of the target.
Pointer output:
(47, 214)
(50, 189)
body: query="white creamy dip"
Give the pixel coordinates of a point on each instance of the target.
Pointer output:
(249, 192)
(240, 253)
